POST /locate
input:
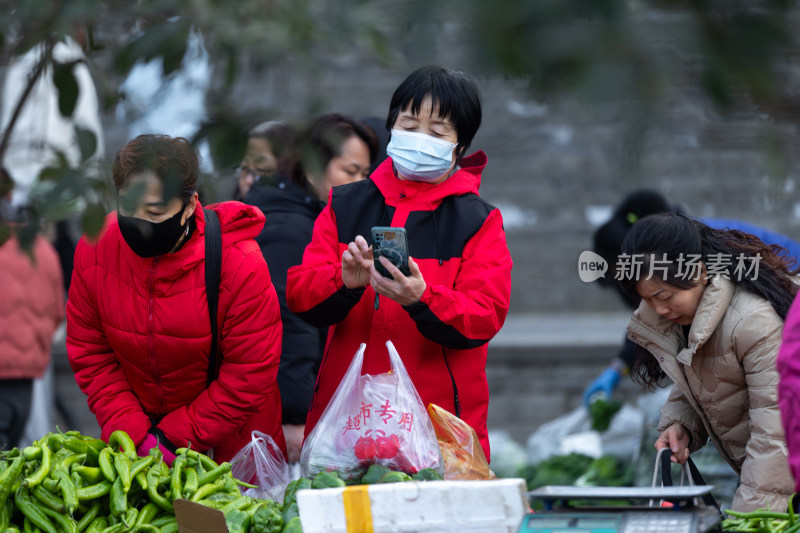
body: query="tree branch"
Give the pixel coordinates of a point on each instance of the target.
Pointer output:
(47, 55)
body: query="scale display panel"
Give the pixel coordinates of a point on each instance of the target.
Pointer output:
(609, 522)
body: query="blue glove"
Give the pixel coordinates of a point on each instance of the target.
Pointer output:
(606, 382)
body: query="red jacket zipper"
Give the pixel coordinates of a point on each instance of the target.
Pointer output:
(151, 339)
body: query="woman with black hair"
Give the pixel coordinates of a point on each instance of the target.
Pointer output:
(442, 315)
(332, 150)
(712, 312)
(608, 240)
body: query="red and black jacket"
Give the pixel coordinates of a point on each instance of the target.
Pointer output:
(457, 239)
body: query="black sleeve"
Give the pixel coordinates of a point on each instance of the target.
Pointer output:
(434, 329)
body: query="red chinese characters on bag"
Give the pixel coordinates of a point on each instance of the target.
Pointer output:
(374, 419)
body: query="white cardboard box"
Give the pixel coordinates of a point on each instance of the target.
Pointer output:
(430, 506)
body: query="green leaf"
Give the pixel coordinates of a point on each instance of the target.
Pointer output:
(26, 233)
(64, 80)
(87, 141)
(92, 220)
(227, 139)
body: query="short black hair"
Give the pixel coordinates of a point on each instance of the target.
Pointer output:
(322, 140)
(453, 92)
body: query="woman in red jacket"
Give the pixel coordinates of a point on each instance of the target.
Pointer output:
(441, 317)
(138, 329)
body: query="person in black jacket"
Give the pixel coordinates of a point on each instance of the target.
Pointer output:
(331, 151)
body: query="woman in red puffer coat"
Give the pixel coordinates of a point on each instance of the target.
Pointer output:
(138, 329)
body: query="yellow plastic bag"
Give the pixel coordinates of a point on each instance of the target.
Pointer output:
(461, 450)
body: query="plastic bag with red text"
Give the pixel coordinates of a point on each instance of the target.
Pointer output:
(372, 419)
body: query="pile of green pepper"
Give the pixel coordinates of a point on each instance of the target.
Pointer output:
(763, 521)
(70, 483)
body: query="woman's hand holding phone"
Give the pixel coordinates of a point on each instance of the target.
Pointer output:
(357, 264)
(405, 290)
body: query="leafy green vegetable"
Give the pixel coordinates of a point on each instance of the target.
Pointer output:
(602, 411)
(606, 471)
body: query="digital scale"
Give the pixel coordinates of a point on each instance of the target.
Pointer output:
(682, 517)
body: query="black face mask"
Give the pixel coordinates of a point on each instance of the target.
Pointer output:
(149, 239)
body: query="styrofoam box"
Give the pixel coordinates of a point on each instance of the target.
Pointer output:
(430, 506)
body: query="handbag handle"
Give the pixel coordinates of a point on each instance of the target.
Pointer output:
(695, 478)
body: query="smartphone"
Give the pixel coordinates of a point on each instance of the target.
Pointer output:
(391, 243)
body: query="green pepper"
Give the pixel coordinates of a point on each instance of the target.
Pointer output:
(237, 521)
(327, 480)
(146, 515)
(33, 511)
(116, 528)
(290, 512)
(5, 515)
(117, 499)
(293, 526)
(68, 490)
(9, 476)
(146, 528)
(212, 504)
(106, 464)
(163, 520)
(122, 465)
(97, 525)
(394, 477)
(54, 441)
(141, 479)
(32, 453)
(77, 480)
(120, 440)
(43, 470)
(50, 484)
(140, 464)
(239, 503)
(374, 473)
(68, 461)
(97, 490)
(213, 474)
(129, 517)
(65, 522)
(11, 529)
(172, 527)
(75, 444)
(224, 497)
(152, 489)
(267, 519)
(190, 485)
(290, 495)
(89, 516)
(49, 499)
(177, 470)
(427, 474)
(27, 527)
(207, 462)
(90, 474)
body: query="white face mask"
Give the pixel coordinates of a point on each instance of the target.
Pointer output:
(420, 157)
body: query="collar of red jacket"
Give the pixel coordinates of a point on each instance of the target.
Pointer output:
(467, 179)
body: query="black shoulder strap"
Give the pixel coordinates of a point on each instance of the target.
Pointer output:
(213, 269)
